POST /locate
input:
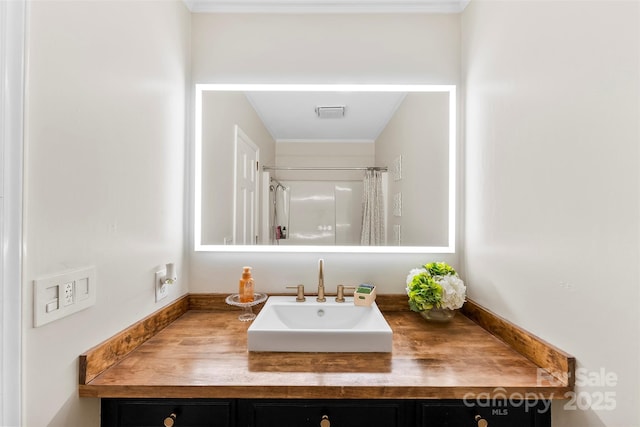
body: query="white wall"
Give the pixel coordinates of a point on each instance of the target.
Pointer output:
(552, 184)
(105, 160)
(423, 142)
(319, 49)
(323, 154)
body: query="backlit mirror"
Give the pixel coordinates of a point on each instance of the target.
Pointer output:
(325, 168)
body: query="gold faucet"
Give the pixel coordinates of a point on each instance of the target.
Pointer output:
(320, 297)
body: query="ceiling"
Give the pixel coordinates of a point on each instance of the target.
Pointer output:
(292, 116)
(326, 6)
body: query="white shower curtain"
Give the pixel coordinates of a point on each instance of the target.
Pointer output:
(372, 210)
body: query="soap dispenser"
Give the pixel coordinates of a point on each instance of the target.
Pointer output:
(246, 287)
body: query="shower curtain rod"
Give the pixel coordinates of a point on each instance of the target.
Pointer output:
(313, 168)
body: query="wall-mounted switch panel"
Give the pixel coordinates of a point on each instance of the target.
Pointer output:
(397, 204)
(396, 169)
(63, 294)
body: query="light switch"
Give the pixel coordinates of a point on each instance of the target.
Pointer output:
(52, 306)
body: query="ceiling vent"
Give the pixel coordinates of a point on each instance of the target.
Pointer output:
(334, 112)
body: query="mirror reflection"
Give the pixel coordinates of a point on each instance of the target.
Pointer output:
(356, 168)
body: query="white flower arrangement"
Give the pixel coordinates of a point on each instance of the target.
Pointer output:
(435, 285)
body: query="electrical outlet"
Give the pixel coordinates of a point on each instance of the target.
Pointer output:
(162, 290)
(67, 293)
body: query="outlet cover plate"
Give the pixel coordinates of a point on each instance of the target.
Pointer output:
(162, 290)
(67, 293)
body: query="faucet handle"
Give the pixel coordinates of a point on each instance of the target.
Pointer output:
(300, 295)
(341, 289)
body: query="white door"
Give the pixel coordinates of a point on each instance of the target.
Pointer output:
(245, 218)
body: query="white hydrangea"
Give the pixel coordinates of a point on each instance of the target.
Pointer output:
(453, 292)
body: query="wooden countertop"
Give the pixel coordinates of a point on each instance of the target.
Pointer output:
(184, 351)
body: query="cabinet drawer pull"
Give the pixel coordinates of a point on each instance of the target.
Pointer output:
(170, 420)
(325, 421)
(481, 421)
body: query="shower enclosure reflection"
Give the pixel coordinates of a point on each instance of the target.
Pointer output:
(327, 211)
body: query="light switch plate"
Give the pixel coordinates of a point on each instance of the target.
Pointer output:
(397, 204)
(396, 170)
(62, 294)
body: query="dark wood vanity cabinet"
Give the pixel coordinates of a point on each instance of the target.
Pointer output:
(323, 413)
(460, 413)
(320, 413)
(168, 412)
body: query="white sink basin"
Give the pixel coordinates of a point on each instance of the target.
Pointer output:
(289, 326)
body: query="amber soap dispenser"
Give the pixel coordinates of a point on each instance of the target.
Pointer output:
(246, 287)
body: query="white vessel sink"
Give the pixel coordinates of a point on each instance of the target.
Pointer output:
(289, 326)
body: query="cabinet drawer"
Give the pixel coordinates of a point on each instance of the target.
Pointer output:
(153, 412)
(458, 414)
(309, 413)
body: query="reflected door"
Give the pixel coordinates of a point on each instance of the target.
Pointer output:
(245, 218)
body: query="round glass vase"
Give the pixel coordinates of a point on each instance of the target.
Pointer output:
(438, 314)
